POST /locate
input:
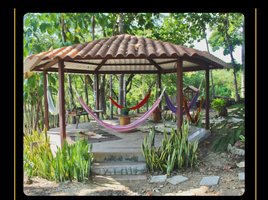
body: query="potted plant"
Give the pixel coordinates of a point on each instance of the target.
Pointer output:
(220, 106)
(125, 111)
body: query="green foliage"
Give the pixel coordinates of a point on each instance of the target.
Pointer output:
(218, 37)
(33, 161)
(169, 117)
(125, 109)
(230, 127)
(173, 118)
(242, 140)
(219, 104)
(71, 161)
(175, 152)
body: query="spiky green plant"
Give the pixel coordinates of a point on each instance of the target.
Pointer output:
(70, 162)
(175, 152)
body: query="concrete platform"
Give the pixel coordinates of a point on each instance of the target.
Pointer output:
(128, 148)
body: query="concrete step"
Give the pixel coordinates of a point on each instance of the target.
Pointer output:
(118, 155)
(119, 168)
(120, 177)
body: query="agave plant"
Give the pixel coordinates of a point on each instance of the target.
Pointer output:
(175, 152)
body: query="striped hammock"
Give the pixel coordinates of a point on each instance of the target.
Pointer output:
(174, 109)
(126, 127)
(135, 107)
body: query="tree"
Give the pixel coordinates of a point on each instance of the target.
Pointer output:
(198, 22)
(243, 63)
(227, 34)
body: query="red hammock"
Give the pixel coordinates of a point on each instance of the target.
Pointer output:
(135, 107)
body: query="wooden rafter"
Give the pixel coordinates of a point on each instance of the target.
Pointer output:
(100, 65)
(155, 64)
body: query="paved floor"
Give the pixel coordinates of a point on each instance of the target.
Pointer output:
(130, 142)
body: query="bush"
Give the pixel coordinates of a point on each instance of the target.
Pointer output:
(176, 152)
(71, 161)
(231, 127)
(220, 106)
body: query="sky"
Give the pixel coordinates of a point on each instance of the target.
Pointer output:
(237, 54)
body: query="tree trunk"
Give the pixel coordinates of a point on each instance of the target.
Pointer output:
(71, 96)
(37, 112)
(121, 76)
(121, 19)
(95, 90)
(243, 63)
(129, 81)
(89, 81)
(120, 92)
(85, 87)
(102, 95)
(211, 76)
(124, 90)
(93, 27)
(42, 115)
(232, 58)
(114, 24)
(111, 104)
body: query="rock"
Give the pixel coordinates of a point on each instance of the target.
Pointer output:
(156, 190)
(236, 151)
(213, 180)
(159, 178)
(177, 179)
(241, 176)
(241, 164)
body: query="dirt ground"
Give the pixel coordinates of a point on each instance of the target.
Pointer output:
(210, 164)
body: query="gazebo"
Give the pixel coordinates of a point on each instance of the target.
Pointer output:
(122, 54)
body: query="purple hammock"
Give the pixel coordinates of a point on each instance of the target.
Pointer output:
(174, 109)
(126, 127)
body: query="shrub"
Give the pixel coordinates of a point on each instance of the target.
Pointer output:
(175, 152)
(220, 106)
(231, 127)
(71, 161)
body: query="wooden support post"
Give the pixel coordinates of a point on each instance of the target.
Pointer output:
(207, 98)
(98, 95)
(62, 101)
(111, 94)
(179, 93)
(159, 85)
(45, 99)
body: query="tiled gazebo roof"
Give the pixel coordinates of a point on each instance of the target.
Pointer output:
(122, 54)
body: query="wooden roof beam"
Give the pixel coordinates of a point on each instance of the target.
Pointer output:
(155, 64)
(101, 64)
